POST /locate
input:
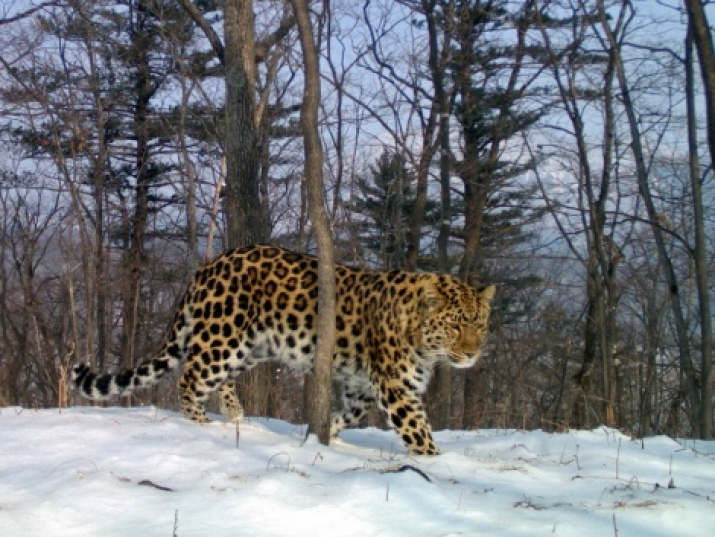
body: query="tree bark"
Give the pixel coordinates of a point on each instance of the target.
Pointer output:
(246, 218)
(700, 251)
(319, 407)
(441, 386)
(438, 114)
(703, 39)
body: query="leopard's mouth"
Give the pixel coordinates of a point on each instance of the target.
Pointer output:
(463, 360)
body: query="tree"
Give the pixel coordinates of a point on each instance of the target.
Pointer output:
(699, 33)
(247, 123)
(402, 104)
(693, 381)
(491, 86)
(319, 407)
(384, 205)
(567, 62)
(245, 211)
(245, 133)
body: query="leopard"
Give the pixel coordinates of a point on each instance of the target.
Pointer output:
(258, 303)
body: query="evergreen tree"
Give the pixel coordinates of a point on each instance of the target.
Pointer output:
(383, 208)
(492, 89)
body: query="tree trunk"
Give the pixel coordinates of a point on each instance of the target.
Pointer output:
(600, 270)
(700, 252)
(95, 277)
(246, 218)
(319, 408)
(135, 254)
(703, 38)
(439, 107)
(441, 386)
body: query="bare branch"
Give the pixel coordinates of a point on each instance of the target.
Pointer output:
(208, 30)
(29, 12)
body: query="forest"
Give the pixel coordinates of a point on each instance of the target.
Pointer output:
(560, 149)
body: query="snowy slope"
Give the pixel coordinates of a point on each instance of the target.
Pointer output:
(146, 472)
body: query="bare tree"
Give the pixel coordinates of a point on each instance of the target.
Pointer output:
(602, 255)
(693, 381)
(402, 103)
(319, 409)
(438, 57)
(699, 33)
(28, 12)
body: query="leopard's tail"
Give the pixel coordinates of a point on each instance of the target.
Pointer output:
(101, 386)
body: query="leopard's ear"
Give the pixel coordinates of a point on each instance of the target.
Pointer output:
(487, 293)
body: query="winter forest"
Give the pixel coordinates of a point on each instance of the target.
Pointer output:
(560, 149)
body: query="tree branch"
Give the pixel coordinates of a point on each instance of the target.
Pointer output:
(202, 23)
(265, 44)
(28, 12)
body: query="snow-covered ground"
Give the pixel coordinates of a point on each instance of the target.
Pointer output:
(147, 472)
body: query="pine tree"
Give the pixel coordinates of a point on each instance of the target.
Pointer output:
(489, 206)
(383, 207)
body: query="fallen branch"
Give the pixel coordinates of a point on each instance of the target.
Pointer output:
(147, 483)
(406, 467)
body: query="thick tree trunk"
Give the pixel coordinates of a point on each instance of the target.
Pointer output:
(246, 218)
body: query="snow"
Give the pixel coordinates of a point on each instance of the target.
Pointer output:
(107, 472)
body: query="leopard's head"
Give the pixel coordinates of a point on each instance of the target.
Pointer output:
(454, 320)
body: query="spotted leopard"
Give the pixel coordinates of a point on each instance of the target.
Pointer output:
(259, 303)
